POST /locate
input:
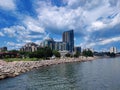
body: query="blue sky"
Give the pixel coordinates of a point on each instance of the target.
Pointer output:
(96, 23)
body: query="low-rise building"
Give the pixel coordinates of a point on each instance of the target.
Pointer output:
(3, 49)
(49, 42)
(63, 53)
(77, 49)
(60, 46)
(29, 47)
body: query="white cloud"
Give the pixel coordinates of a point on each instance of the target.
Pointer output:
(9, 31)
(60, 18)
(8, 4)
(115, 21)
(22, 34)
(110, 40)
(80, 15)
(101, 42)
(14, 31)
(14, 45)
(85, 14)
(96, 26)
(1, 34)
(33, 25)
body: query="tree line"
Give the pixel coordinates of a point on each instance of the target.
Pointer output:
(46, 53)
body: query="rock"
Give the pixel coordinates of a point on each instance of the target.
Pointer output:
(16, 74)
(15, 68)
(2, 76)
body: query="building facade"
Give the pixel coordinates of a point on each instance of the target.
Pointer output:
(67, 43)
(49, 42)
(77, 49)
(29, 47)
(60, 46)
(3, 49)
(113, 50)
(68, 38)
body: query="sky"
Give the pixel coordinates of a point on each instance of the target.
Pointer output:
(96, 23)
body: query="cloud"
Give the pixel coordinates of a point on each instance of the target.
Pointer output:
(14, 31)
(1, 34)
(23, 33)
(91, 20)
(58, 19)
(82, 18)
(14, 45)
(102, 42)
(33, 25)
(8, 4)
(110, 40)
(101, 24)
(97, 26)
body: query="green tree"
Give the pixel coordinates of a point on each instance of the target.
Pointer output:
(14, 51)
(68, 55)
(48, 52)
(77, 54)
(56, 53)
(87, 53)
(24, 54)
(111, 54)
(41, 53)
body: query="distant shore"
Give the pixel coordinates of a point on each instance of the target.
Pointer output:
(15, 68)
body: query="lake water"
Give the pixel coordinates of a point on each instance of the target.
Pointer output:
(101, 74)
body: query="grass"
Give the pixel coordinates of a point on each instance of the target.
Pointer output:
(21, 59)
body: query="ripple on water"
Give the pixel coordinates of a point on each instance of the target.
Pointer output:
(94, 75)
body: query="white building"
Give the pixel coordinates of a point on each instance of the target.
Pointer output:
(113, 50)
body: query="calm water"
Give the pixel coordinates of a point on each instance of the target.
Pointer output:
(102, 74)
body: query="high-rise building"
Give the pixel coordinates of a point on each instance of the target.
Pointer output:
(60, 46)
(68, 38)
(113, 50)
(49, 42)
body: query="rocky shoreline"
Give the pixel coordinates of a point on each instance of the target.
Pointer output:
(12, 69)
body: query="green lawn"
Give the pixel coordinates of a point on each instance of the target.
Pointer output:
(21, 59)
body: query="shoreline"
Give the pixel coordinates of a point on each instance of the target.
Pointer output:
(15, 68)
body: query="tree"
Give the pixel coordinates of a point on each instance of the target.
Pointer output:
(14, 51)
(56, 53)
(24, 54)
(41, 53)
(48, 52)
(67, 55)
(77, 54)
(87, 53)
(111, 54)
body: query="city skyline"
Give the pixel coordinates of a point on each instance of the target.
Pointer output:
(96, 23)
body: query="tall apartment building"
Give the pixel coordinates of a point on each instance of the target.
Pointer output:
(113, 50)
(68, 38)
(66, 45)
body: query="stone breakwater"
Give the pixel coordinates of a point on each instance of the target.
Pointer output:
(12, 69)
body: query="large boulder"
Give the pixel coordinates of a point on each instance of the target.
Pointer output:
(2, 62)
